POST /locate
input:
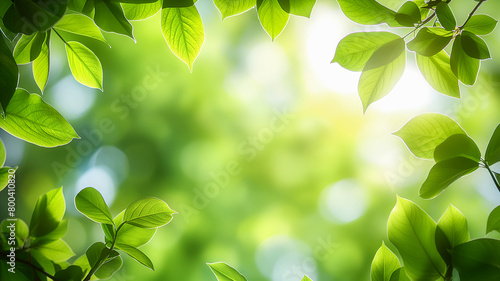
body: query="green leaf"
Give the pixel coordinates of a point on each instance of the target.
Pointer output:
(71, 273)
(474, 46)
(55, 234)
(459, 145)
(41, 64)
(132, 235)
(426, 131)
(452, 230)
(400, 275)
(430, 40)
(481, 24)
(5, 176)
(3, 156)
(178, 3)
(29, 16)
(148, 213)
(463, 66)
(84, 65)
(21, 229)
(444, 173)
(9, 75)
(109, 17)
(137, 255)
(31, 119)
(225, 272)
(4, 6)
(109, 268)
(90, 203)
(384, 264)
(298, 7)
(95, 253)
(48, 213)
(85, 7)
(81, 25)
(493, 220)
(478, 259)
(492, 155)
(57, 251)
(445, 16)
(306, 278)
(354, 50)
(437, 72)
(139, 1)
(230, 8)
(408, 14)
(412, 231)
(183, 30)
(375, 83)
(28, 47)
(272, 17)
(141, 11)
(368, 12)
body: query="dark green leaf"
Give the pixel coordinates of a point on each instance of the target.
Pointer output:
(31, 119)
(400, 275)
(138, 1)
(445, 16)
(85, 7)
(426, 131)
(57, 250)
(451, 231)
(463, 66)
(48, 213)
(21, 229)
(368, 12)
(493, 220)
(90, 203)
(408, 14)
(474, 46)
(29, 16)
(481, 24)
(109, 17)
(71, 273)
(354, 50)
(459, 145)
(9, 75)
(28, 47)
(478, 259)
(444, 173)
(225, 272)
(178, 3)
(183, 30)
(56, 234)
(4, 6)
(148, 213)
(109, 268)
(272, 17)
(437, 72)
(137, 255)
(492, 155)
(230, 8)
(141, 11)
(298, 7)
(430, 40)
(412, 231)
(84, 64)
(80, 25)
(384, 264)
(41, 64)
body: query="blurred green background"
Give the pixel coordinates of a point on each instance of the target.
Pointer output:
(263, 149)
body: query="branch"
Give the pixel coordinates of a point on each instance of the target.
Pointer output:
(34, 267)
(472, 13)
(492, 175)
(429, 18)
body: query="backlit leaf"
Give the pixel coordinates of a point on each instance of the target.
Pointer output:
(459, 145)
(492, 155)
(80, 25)
(90, 203)
(48, 213)
(481, 24)
(141, 11)
(41, 65)
(478, 259)
(109, 17)
(230, 8)
(384, 264)
(430, 41)
(463, 66)
(84, 65)
(445, 16)
(298, 7)
(272, 17)
(474, 46)
(225, 272)
(368, 12)
(148, 213)
(437, 72)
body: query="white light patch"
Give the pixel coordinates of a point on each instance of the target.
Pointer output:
(100, 179)
(343, 202)
(112, 158)
(70, 98)
(267, 63)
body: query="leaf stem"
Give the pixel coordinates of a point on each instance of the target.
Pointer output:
(103, 259)
(429, 18)
(472, 13)
(492, 175)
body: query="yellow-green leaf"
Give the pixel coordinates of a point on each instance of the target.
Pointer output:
(272, 17)
(84, 65)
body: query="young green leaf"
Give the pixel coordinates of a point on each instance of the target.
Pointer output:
(29, 47)
(57, 250)
(452, 230)
(90, 203)
(148, 213)
(49, 211)
(84, 65)
(109, 268)
(493, 220)
(354, 50)
(81, 25)
(31, 119)
(412, 231)
(492, 155)
(183, 30)
(426, 131)
(408, 14)
(368, 12)
(437, 72)
(459, 145)
(9, 75)
(225, 272)
(478, 259)
(400, 275)
(445, 16)
(141, 11)
(298, 7)
(132, 235)
(272, 17)
(463, 66)
(481, 24)
(474, 46)
(137, 255)
(5, 176)
(430, 40)
(306, 278)
(109, 17)
(41, 64)
(21, 229)
(444, 173)
(230, 8)
(375, 83)
(384, 264)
